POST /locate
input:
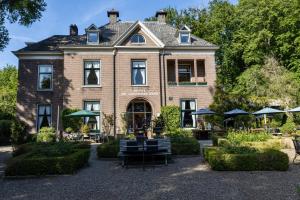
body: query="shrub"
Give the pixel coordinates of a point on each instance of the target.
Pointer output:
(289, 127)
(46, 134)
(269, 159)
(72, 122)
(5, 131)
(171, 117)
(84, 129)
(244, 136)
(69, 130)
(108, 150)
(18, 132)
(180, 133)
(185, 146)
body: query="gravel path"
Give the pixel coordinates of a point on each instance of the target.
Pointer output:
(186, 178)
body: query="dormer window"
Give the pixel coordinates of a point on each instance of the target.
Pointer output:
(92, 34)
(185, 35)
(137, 39)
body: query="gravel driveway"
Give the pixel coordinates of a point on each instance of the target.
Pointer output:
(186, 178)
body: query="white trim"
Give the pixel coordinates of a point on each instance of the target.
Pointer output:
(124, 36)
(146, 72)
(38, 79)
(29, 57)
(87, 37)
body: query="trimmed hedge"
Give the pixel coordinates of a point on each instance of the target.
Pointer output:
(185, 146)
(267, 160)
(108, 150)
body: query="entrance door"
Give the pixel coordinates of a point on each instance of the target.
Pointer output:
(138, 114)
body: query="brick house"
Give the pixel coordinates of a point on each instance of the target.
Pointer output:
(120, 67)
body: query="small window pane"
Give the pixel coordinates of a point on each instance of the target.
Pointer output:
(93, 37)
(45, 69)
(139, 107)
(184, 38)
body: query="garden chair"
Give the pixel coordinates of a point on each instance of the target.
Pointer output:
(297, 148)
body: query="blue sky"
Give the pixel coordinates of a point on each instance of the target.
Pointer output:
(60, 14)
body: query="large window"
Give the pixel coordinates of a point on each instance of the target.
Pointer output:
(92, 73)
(184, 73)
(44, 116)
(45, 77)
(138, 76)
(137, 39)
(92, 37)
(93, 122)
(187, 119)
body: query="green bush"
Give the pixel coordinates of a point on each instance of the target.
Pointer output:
(71, 122)
(185, 146)
(46, 134)
(48, 158)
(108, 150)
(289, 127)
(269, 159)
(238, 137)
(180, 133)
(171, 117)
(18, 132)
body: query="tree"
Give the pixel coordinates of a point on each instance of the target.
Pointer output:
(25, 12)
(8, 89)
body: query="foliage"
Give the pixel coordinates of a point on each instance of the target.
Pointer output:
(185, 146)
(180, 133)
(8, 90)
(269, 159)
(108, 150)
(69, 130)
(131, 136)
(85, 129)
(171, 118)
(72, 122)
(289, 127)
(238, 137)
(18, 132)
(107, 122)
(24, 12)
(46, 134)
(124, 122)
(50, 158)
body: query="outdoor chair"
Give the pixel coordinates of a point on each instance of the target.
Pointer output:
(152, 146)
(132, 147)
(297, 148)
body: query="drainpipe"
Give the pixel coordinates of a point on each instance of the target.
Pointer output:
(114, 92)
(164, 72)
(160, 82)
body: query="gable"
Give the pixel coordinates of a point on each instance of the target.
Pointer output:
(148, 41)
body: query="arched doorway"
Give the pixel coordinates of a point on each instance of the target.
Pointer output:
(139, 114)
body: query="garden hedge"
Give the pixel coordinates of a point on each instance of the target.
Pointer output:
(108, 150)
(267, 160)
(23, 165)
(185, 146)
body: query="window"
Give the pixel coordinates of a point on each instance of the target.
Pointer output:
(93, 122)
(184, 38)
(184, 73)
(137, 38)
(44, 116)
(92, 73)
(138, 76)
(187, 119)
(45, 77)
(200, 68)
(92, 37)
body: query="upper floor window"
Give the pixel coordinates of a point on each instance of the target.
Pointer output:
(138, 76)
(92, 37)
(45, 77)
(184, 73)
(91, 72)
(138, 39)
(44, 116)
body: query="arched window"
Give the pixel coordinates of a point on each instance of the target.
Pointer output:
(138, 39)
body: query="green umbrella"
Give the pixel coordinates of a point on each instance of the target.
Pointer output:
(83, 113)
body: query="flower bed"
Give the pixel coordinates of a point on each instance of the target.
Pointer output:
(48, 159)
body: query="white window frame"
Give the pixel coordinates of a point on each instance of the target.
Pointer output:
(37, 115)
(100, 74)
(137, 42)
(38, 79)
(100, 108)
(146, 73)
(87, 37)
(185, 33)
(181, 122)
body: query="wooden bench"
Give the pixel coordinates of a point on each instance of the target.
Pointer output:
(130, 148)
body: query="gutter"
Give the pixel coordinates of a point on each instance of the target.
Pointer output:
(114, 92)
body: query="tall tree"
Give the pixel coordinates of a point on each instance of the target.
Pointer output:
(25, 12)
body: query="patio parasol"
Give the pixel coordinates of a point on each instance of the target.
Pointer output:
(295, 109)
(266, 111)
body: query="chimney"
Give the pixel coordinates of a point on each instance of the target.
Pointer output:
(73, 30)
(113, 16)
(161, 16)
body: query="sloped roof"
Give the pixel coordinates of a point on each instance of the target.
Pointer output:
(109, 34)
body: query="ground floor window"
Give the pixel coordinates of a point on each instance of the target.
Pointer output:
(138, 115)
(44, 116)
(187, 107)
(93, 122)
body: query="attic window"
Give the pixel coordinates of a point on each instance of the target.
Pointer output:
(137, 39)
(92, 37)
(184, 38)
